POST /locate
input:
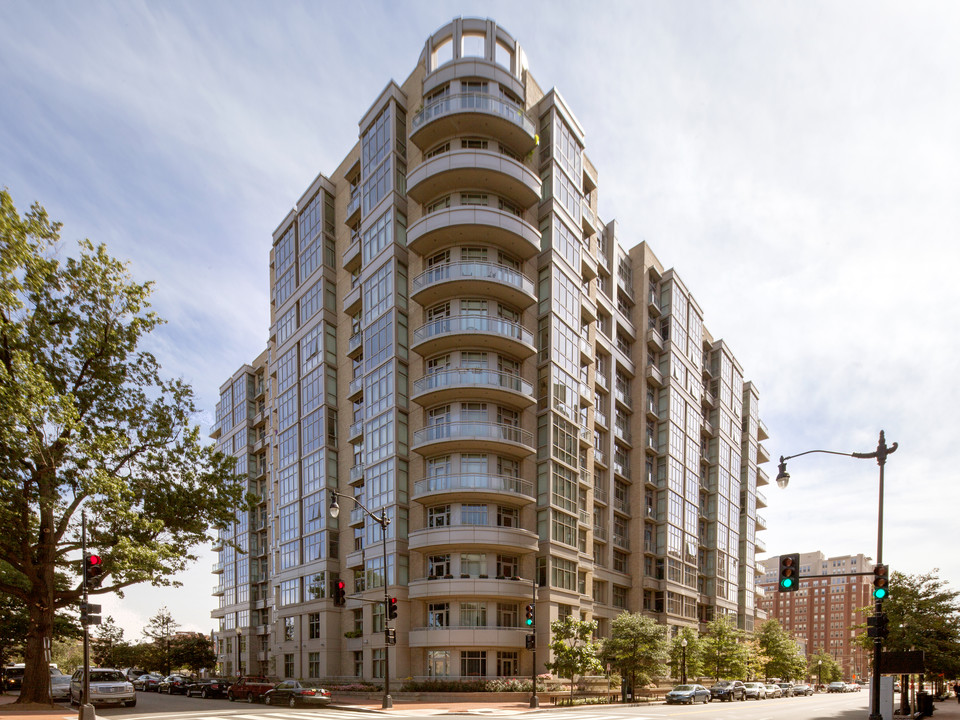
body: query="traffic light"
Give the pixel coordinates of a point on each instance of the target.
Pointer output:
(531, 642)
(391, 636)
(92, 570)
(878, 626)
(89, 614)
(881, 582)
(338, 590)
(392, 609)
(529, 620)
(789, 573)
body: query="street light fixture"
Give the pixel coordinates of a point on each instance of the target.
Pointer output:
(880, 454)
(819, 680)
(239, 635)
(683, 661)
(382, 521)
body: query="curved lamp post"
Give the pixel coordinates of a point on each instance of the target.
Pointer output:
(880, 454)
(382, 521)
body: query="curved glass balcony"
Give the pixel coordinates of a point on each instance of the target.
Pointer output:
(472, 113)
(474, 483)
(476, 169)
(452, 279)
(478, 383)
(469, 330)
(480, 435)
(466, 224)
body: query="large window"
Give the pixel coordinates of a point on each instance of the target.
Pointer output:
(473, 614)
(473, 663)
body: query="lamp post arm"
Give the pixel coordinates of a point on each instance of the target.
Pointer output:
(383, 520)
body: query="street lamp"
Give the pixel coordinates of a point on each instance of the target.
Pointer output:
(239, 634)
(783, 477)
(382, 521)
(683, 661)
(819, 680)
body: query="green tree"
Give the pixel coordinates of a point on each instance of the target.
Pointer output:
(192, 650)
(637, 647)
(87, 421)
(574, 652)
(724, 654)
(923, 613)
(781, 654)
(693, 654)
(160, 631)
(822, 665)
(108, 648)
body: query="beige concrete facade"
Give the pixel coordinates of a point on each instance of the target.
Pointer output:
(458, 341)
(823, 613)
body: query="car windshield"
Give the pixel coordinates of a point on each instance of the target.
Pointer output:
(60, 680)
(106, 676)
(722, 683)
(684, 688)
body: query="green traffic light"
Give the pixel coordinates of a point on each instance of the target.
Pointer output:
(880, 593)
(529, 621)
(786, 583)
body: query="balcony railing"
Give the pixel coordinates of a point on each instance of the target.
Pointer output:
(473, 271)
(467, 429)
(460, 377)
(474, 481)
(473, 102)
(459, 324)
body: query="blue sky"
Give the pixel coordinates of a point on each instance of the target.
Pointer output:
(798, 163)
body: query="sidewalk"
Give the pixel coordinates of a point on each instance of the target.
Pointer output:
(9, 710)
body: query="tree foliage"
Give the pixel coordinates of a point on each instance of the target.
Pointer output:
(573, 649)
(160, 631)
(724, 654)
(781, 655)
(824, 668)
(637, 648)
(87, 422)
(193, 651)
(693, 654)
(923, 613)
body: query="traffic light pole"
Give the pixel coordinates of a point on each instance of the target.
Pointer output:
(382, 521)
(880, 454)
(534, 698)
(85, 698)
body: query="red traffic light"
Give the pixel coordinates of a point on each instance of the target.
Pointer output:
(94, 560)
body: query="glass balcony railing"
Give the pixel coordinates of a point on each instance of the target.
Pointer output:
(473, 430)
(473, 102)
(459, 324)
(466, 377)
(474, 481)
(473, 271)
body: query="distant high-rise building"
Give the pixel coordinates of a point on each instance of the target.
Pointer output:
(823, 613)
(458, 341)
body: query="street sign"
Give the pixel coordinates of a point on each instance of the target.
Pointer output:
(901, 662)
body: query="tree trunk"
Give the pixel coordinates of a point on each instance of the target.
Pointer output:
(36, 675)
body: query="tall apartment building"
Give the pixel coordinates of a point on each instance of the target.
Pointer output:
(823, 612)
(460, 343)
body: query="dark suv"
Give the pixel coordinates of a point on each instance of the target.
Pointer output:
(728, 690)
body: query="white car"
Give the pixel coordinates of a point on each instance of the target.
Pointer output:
(107, 687)
(60, 687)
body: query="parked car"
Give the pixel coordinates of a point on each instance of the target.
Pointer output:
(249, 688)
(208, 687)
(837, 687)
(13, 677)
(60, 687)
(755, 690)
(728, 690)
(853, 687)
(787, 689)
(689, 694)
(174, 685)
(295, 693)
(774, 690)
(108, 686)
(132, 673)
(147, 682)
(802, 689)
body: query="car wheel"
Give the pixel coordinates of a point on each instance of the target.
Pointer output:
(230, 696)
(203, 693)
(293, 701)
(250, 698)
(131, 703)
